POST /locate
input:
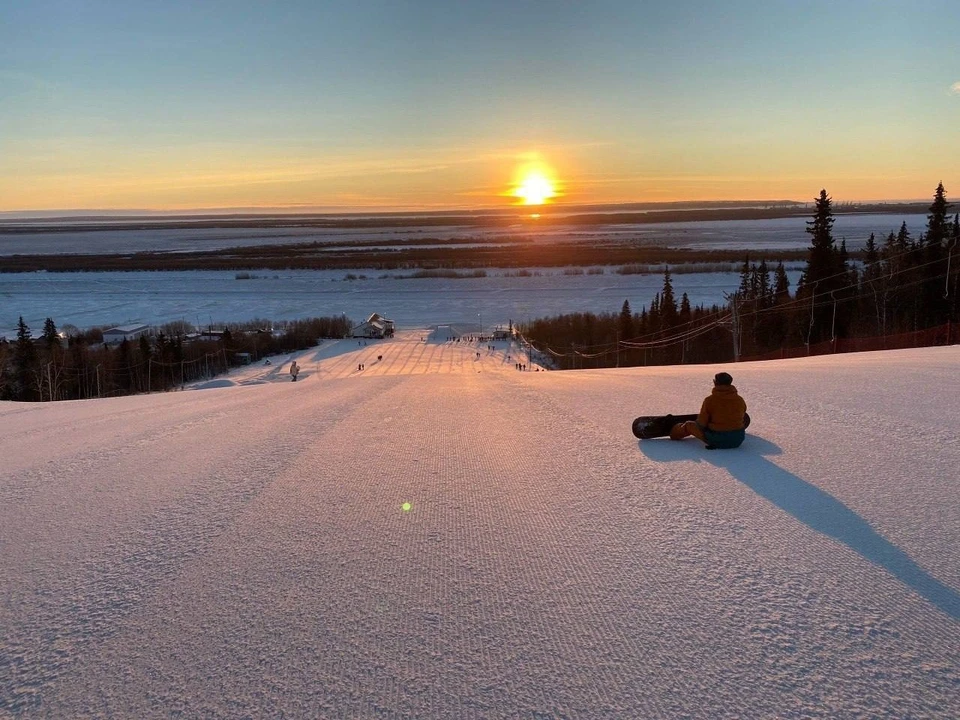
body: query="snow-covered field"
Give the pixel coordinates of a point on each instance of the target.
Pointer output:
(243, 550)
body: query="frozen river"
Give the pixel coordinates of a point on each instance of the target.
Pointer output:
(212, 297)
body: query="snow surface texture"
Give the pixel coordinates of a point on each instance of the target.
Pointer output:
(244, 551)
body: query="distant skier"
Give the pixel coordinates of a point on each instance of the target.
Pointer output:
(294, 371)
(720, 423)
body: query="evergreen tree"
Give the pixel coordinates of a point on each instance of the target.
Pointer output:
(50, 365)
(826, 274)
(668, 302)
(781, 284)
(743, 290)
(124, 366)
(625, 322)
(904, 242)
(938, 226)
(871, 252)
(762, 282)
(51, 338)
(953, 255)
(822, 260)
(654, 321)
(685, 312)
(24, 363)
(935, 308)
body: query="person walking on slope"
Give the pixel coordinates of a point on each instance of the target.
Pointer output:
(720, 422)
(294, 370)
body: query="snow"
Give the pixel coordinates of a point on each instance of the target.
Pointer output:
(242, 550)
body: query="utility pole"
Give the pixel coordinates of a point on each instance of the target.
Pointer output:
(735, 323)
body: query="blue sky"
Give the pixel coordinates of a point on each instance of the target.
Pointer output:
(425, 104)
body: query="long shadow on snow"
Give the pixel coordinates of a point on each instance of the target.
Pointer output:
(812, 506)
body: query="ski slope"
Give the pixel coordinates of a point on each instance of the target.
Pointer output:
(242, 550)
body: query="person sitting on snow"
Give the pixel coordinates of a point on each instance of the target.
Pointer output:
(720, 423)
(294, 370)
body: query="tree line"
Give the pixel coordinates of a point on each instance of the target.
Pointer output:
(894, 285)
(78, 365)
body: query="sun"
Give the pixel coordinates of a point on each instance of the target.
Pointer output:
(534, 186)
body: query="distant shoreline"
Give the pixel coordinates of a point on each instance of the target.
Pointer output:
(581, 215)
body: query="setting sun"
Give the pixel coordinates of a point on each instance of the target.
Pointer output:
(534, 183)
(535, 189)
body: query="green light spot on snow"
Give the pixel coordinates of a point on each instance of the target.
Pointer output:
(406, 507)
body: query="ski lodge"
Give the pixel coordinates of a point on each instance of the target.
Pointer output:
(116, 335)
(375, 326)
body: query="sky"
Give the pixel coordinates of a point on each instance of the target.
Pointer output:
(430, 104)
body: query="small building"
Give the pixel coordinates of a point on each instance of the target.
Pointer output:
(501, 333)
(243, 358)
(375, 326)
(116, 335)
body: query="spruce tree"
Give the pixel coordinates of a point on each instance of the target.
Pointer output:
(625, 322)
(934, 305)
(24, 363)
(825, 275)
(685, 311)
(781, 283)
(871, 253)
(938, 226)
(954, 265)
(668, 302)
(822, 260)
(51, 338)
(743, 290)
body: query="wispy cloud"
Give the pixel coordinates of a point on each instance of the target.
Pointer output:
(955, 88)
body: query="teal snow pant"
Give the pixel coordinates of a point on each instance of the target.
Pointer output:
(726, 439)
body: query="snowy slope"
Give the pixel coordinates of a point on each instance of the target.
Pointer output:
(242, 551)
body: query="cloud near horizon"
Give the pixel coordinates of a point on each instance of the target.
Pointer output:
(955, 88)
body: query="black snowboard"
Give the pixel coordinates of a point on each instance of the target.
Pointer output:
(654, 426)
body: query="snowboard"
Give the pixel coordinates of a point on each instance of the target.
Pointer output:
(654, 426)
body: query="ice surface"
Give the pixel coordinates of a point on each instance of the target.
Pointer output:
(243, 551)
(206, 297)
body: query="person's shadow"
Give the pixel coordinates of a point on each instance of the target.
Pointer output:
(812, 506)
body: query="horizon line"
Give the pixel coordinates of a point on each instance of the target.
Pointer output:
(253, 210)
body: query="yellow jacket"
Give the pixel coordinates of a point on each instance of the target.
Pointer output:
(722, 410)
